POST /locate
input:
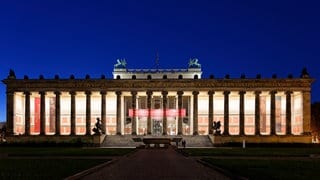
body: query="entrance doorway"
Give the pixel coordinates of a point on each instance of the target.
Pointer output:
(157, 127)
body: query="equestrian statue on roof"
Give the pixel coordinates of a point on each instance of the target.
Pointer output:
(121, 63)
(193, 63)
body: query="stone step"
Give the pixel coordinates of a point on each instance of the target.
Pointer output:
(197, 141)
(120, 141)
(135, 141)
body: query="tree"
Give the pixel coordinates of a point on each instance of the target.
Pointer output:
(315, 117)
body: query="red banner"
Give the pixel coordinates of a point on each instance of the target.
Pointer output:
(157, 112)
(131, 112)
(171, 112)
(36, 115)
(182, 112)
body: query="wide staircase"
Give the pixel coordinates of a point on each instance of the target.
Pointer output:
(122, 141)
(197, 141)
(136, 141)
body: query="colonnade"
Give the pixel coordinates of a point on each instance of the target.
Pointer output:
(195, 94)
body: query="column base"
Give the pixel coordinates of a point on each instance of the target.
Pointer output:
(133, 133)
(118, 133)
(195, 133)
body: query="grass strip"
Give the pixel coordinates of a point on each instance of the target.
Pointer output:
(44, 168)
(262, 152)
(270, 168)
(63, 151)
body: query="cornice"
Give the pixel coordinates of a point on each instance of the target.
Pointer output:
(158, 85)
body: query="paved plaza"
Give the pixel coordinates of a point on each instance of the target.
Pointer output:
(155, 164)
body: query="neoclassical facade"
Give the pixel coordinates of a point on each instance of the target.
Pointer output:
(159, 102)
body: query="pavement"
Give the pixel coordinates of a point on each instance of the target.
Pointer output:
(153, 164)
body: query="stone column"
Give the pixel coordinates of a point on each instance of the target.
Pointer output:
(306, 98)
(226, 112)
(241, 114)
(42, 113)
(103, 111)
(195, 112)
(210, 121)
(88, 112)
(73, 112)
(27, 113)
(118, 93)
(273, 113)
(180, 93)
(165, 101)
(288, 112)
(149, 98)
(134, 115)
(58, 122)
(10, 114)
(257, 112)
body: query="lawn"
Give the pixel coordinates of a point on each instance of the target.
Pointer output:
(264, 152)
(263, 163)
(44, 168)
(63, 151)
(270, 168)
(48, 162)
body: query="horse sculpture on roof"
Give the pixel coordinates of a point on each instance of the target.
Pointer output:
(193, 63)
(121, 63)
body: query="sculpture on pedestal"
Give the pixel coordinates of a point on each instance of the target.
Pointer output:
(121, 63)
(216, 127)
(98, 127)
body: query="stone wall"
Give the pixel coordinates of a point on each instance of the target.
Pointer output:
(218, 140)
(95, 140)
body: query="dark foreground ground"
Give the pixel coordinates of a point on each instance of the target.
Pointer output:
(155, 164)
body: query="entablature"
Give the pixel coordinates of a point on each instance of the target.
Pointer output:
(297, 84)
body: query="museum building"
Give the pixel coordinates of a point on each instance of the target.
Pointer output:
(159, 102)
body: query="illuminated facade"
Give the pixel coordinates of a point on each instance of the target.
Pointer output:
(159, 102)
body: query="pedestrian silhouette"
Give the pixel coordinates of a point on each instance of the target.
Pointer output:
(184, 143)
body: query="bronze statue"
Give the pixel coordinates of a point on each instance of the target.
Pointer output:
(98, 127)
(193, 63)
(216, 127)
(121, 63)
(12, 74)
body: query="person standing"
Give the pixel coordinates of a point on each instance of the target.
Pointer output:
(184, 143)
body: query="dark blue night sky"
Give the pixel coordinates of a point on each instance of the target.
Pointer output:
(228, 37)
